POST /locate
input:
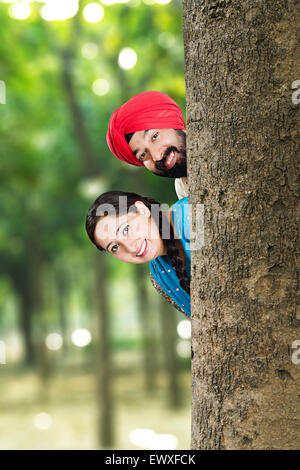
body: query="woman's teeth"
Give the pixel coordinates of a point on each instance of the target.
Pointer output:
(142, 249)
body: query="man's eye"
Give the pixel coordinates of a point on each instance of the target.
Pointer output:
(142, 156)
(154, 135)
(125, 230)
(114, 248)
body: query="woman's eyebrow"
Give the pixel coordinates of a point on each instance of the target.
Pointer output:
(117, 231)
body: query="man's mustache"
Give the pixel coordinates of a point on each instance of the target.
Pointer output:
(161, 164)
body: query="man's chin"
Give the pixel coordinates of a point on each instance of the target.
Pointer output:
(178, 172)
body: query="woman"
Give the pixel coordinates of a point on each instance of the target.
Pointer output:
(134, 229)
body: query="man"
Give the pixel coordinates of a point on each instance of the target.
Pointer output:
(149, 130)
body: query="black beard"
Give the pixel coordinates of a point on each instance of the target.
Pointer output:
(179, 169)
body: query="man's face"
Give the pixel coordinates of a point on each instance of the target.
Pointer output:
(162, 151)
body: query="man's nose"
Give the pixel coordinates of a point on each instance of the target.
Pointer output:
(156, 155)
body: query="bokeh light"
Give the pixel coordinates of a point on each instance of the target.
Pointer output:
(92, 187)
(100, 87)
(43, 421)
(113, 2)
(89, 50)
(93, 12)
(184, 329)
(2, 352)
(81, 337)
(56, 10)
(183, 348)
(163, 2)
(20, 11)
(148, 439)
(14, 347)
(127, 58)
(134, 3)
(54, 341)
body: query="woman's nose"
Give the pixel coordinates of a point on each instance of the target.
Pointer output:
(130, 245)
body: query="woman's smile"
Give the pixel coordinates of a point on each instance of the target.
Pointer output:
(143, 248)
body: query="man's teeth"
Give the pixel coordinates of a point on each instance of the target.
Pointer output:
(142, 249)
(170, 158)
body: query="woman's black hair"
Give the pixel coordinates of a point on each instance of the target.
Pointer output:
(100, 208)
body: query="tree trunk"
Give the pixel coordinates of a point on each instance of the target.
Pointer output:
(241, 60)
(26, 310)
(62, 288)
(89, 159)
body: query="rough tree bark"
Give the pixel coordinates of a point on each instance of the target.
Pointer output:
(241, 59)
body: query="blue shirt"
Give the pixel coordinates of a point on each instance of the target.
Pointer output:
(161, 268)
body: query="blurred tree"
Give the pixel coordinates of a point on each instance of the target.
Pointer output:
(147, 327)
(105, 369)
(171, 360)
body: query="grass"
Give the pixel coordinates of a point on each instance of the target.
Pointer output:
(69, 397)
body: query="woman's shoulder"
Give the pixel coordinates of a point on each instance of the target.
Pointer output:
(180, 203)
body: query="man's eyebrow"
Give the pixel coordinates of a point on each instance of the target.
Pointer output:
(137, 150)
(117, 231)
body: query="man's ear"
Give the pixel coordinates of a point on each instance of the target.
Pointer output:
(142, 209)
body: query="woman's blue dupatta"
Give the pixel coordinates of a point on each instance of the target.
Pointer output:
(161, 268)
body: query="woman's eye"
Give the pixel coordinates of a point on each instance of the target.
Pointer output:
(125, 230)
(114, 248)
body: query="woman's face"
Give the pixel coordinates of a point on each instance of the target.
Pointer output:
(133, 237)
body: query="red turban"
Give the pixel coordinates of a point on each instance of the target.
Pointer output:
(148, 110)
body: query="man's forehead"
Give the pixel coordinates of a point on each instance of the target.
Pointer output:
(141, 135)
(145, 132)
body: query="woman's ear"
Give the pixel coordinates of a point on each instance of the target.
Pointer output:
(142, 209)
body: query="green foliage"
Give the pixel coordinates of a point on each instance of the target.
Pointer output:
(45, 182)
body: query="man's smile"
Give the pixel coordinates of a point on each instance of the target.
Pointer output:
(170, 160)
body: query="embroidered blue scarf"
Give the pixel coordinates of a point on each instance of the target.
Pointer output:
(161, 268)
